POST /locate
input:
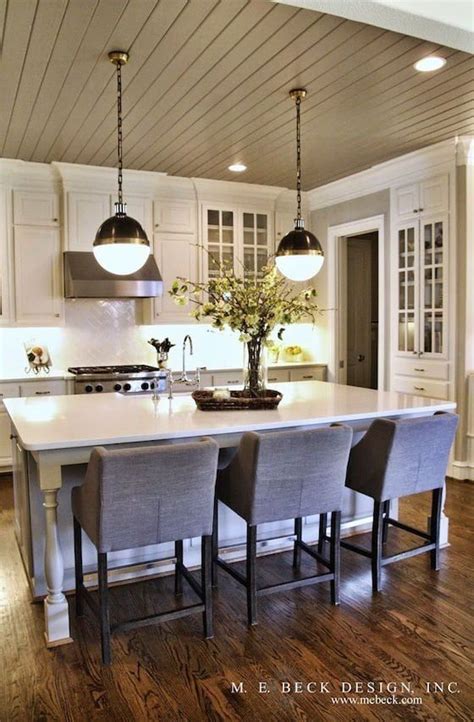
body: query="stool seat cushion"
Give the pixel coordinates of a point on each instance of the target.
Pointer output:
(285, 475)
(400, 457)
(147, 495)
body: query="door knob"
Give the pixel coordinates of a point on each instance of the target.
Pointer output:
(361, 357)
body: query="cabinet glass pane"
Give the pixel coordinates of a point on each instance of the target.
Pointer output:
(438, 230)
(213, 235)
(262, 259)
(401, 290)
(411, 240)
(249, 220)
(227, 218)
(220, 239)
(428, 332)
(227, 236)
(410, 332)
(438, 333)
(401, 249)
(256, 244)
(401, 332)
(433, 287)
(249, 261)
(261, 221)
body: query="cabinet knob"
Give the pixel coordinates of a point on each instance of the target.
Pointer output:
(13, 436)
(421, 209)
(419, 388)
(415, 210)
(415, 369)
(55, 220)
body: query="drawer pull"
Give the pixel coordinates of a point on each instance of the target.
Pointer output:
(42, 393)
(232, 381)
(415, 369)
(309, 377)
(1, 395)
(419, 388)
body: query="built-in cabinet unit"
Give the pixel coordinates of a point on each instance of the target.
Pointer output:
(420, 272)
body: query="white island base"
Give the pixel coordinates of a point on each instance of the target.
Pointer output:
(54, 438)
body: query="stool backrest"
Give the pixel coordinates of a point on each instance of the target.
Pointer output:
(289, 474)
(405, 456)
(148, 495)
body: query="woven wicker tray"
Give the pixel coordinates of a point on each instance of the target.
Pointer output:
(267, 399)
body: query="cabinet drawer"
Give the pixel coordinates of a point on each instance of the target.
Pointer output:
(227, 378)
(312, 373)
(422, 368)
(421, 387)
(276, 376)
(9, 390)
(43, 388)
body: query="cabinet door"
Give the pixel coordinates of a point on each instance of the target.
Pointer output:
(257, 243)
(433, 286)
(38, 293)
(175, 216)
(5, 276)
(434, 195)
(176, 256)
(141, 209)
(86, 212)
(407, 254)
(220, 239)
(35, 208)
(5, 443)
(407, 200)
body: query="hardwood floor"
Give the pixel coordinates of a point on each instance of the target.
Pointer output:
(416, 630)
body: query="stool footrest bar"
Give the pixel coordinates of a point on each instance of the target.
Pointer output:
(410, 529)
(408, 553)
(162, 617)
(355, 548)
(295, 583)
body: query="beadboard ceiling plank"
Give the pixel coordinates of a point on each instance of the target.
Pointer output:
(312, 118)
(103, 106)
(262, 91)
(235, 70)
(279, 119)
(107, 15)
(76, 23)
(101, 75)
(18, 23)
(3, 16)
(186, 79)
(178, 34)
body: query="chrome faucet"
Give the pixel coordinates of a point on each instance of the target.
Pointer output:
(184, 376)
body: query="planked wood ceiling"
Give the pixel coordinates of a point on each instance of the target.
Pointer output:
(207, 85)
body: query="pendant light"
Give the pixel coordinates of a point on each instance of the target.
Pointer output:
(299, 255)
(121, 245)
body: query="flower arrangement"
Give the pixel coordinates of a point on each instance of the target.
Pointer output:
(253, 307)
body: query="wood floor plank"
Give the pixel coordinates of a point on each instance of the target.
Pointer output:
(417, 630)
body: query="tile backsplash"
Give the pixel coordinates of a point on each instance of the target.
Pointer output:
(109, 331)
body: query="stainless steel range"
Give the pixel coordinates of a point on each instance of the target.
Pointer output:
(134, 378)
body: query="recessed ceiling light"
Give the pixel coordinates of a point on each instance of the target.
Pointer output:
(432, 62)
(237, 167)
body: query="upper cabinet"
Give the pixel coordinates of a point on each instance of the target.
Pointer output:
(35, 208)
(429, 196)
(85, 213)
(241, 238)
(174, 216)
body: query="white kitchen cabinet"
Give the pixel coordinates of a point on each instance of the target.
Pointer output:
(85, 213)
(38, 288)
(142, 210)
(174, 216)
(5, 261)
(240, 238)
(428, 196)
(5, 443)
(176, 255)
(313, 373)
(35, 208)
(45, 387)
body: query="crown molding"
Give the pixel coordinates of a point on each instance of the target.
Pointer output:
(465, 150)
(383, 175)
(232, 191)
(17, 173)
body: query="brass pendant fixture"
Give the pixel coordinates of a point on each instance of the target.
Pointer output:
(299, 255)
(121, 245)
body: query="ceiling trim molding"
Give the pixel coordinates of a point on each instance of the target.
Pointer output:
(465, 150)
(383, 175)
(216, 190)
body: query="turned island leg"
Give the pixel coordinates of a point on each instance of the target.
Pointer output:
(56, 611)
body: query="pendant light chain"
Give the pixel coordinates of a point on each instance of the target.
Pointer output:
(298, 157)
(119, 132)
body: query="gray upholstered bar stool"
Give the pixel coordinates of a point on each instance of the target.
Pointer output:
(285, 475)
(142, 496)
(395, 459)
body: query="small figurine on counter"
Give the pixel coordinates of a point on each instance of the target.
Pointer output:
(38, 358)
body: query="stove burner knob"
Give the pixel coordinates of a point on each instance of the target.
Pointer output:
(126, 387)
(117, 387)
(145, 386)
(88, 389)
(99, 388)
(152, 385)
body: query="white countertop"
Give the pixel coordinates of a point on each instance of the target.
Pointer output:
(21, 376)
(60, 422)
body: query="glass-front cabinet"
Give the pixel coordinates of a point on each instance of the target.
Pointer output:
(422, 293)
(242, 239)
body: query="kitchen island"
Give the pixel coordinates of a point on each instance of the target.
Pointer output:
(53, 438)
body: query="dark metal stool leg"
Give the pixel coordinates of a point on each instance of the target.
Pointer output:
(206, 581)
(323, 522)
(178, 578)
(435, 524)
(104, 608)
(251, 574)
(296, 547)
(215, 541)
(377, 527)
(335, 555)
(386, 515)
(79, 573)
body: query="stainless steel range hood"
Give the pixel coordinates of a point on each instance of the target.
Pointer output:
(84, 278)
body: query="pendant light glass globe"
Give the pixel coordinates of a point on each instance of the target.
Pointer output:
(121, 245)
(299, 256)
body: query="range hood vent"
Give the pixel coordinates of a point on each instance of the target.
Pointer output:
(85, 278)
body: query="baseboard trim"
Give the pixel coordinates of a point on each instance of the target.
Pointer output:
(461, 470)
